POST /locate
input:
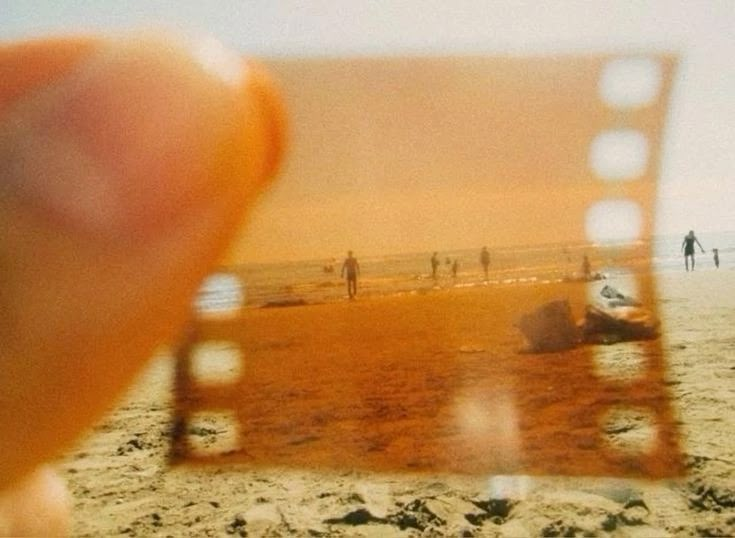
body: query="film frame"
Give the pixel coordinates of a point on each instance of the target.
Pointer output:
(542, 439)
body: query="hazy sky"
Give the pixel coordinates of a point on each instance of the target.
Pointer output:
(698, 166)
(393, 155)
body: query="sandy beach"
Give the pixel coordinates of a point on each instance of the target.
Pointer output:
(418, 416)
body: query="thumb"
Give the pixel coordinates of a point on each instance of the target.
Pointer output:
(125, 168)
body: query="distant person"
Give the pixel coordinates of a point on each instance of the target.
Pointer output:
(688, 247)
(434, 265)
(455, 268)
(351, 268)
(586, 268)
(329, 266)
(485, 261)
(716, 253)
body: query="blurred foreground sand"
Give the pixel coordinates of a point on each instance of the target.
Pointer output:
(122, 485)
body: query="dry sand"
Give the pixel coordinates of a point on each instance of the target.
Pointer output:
(122, 484)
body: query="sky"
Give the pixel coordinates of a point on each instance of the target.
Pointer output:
(394, 155)
(696, 183)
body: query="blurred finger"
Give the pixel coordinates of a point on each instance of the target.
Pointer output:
(122, 180)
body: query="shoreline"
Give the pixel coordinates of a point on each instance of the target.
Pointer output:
(333, 289)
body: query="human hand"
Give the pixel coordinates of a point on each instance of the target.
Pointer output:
(125, 169)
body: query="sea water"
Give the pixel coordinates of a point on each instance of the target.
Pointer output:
(319, 280)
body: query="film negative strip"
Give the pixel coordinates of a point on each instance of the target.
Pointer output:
(419, 365)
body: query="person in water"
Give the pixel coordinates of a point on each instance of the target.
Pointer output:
(329, 266)
(351, 268)
(688, 247)
(455, 268)
(434, 265)
(485, 261)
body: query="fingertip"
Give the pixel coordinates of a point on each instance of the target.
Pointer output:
(28, 65)
(137, 132)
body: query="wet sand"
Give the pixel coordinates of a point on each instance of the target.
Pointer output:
(386, 417)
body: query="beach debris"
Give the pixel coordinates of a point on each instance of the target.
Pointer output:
(605, 325)
(619, 319)
(550, 328)
(615, 298)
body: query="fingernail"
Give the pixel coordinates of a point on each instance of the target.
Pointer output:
(130, 139)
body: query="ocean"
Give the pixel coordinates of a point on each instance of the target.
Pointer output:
(309, 281)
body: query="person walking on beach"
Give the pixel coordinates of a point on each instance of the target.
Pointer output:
(434, 265)
(351, 268)
(485, 261)
(716, 252)
(688, 247)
